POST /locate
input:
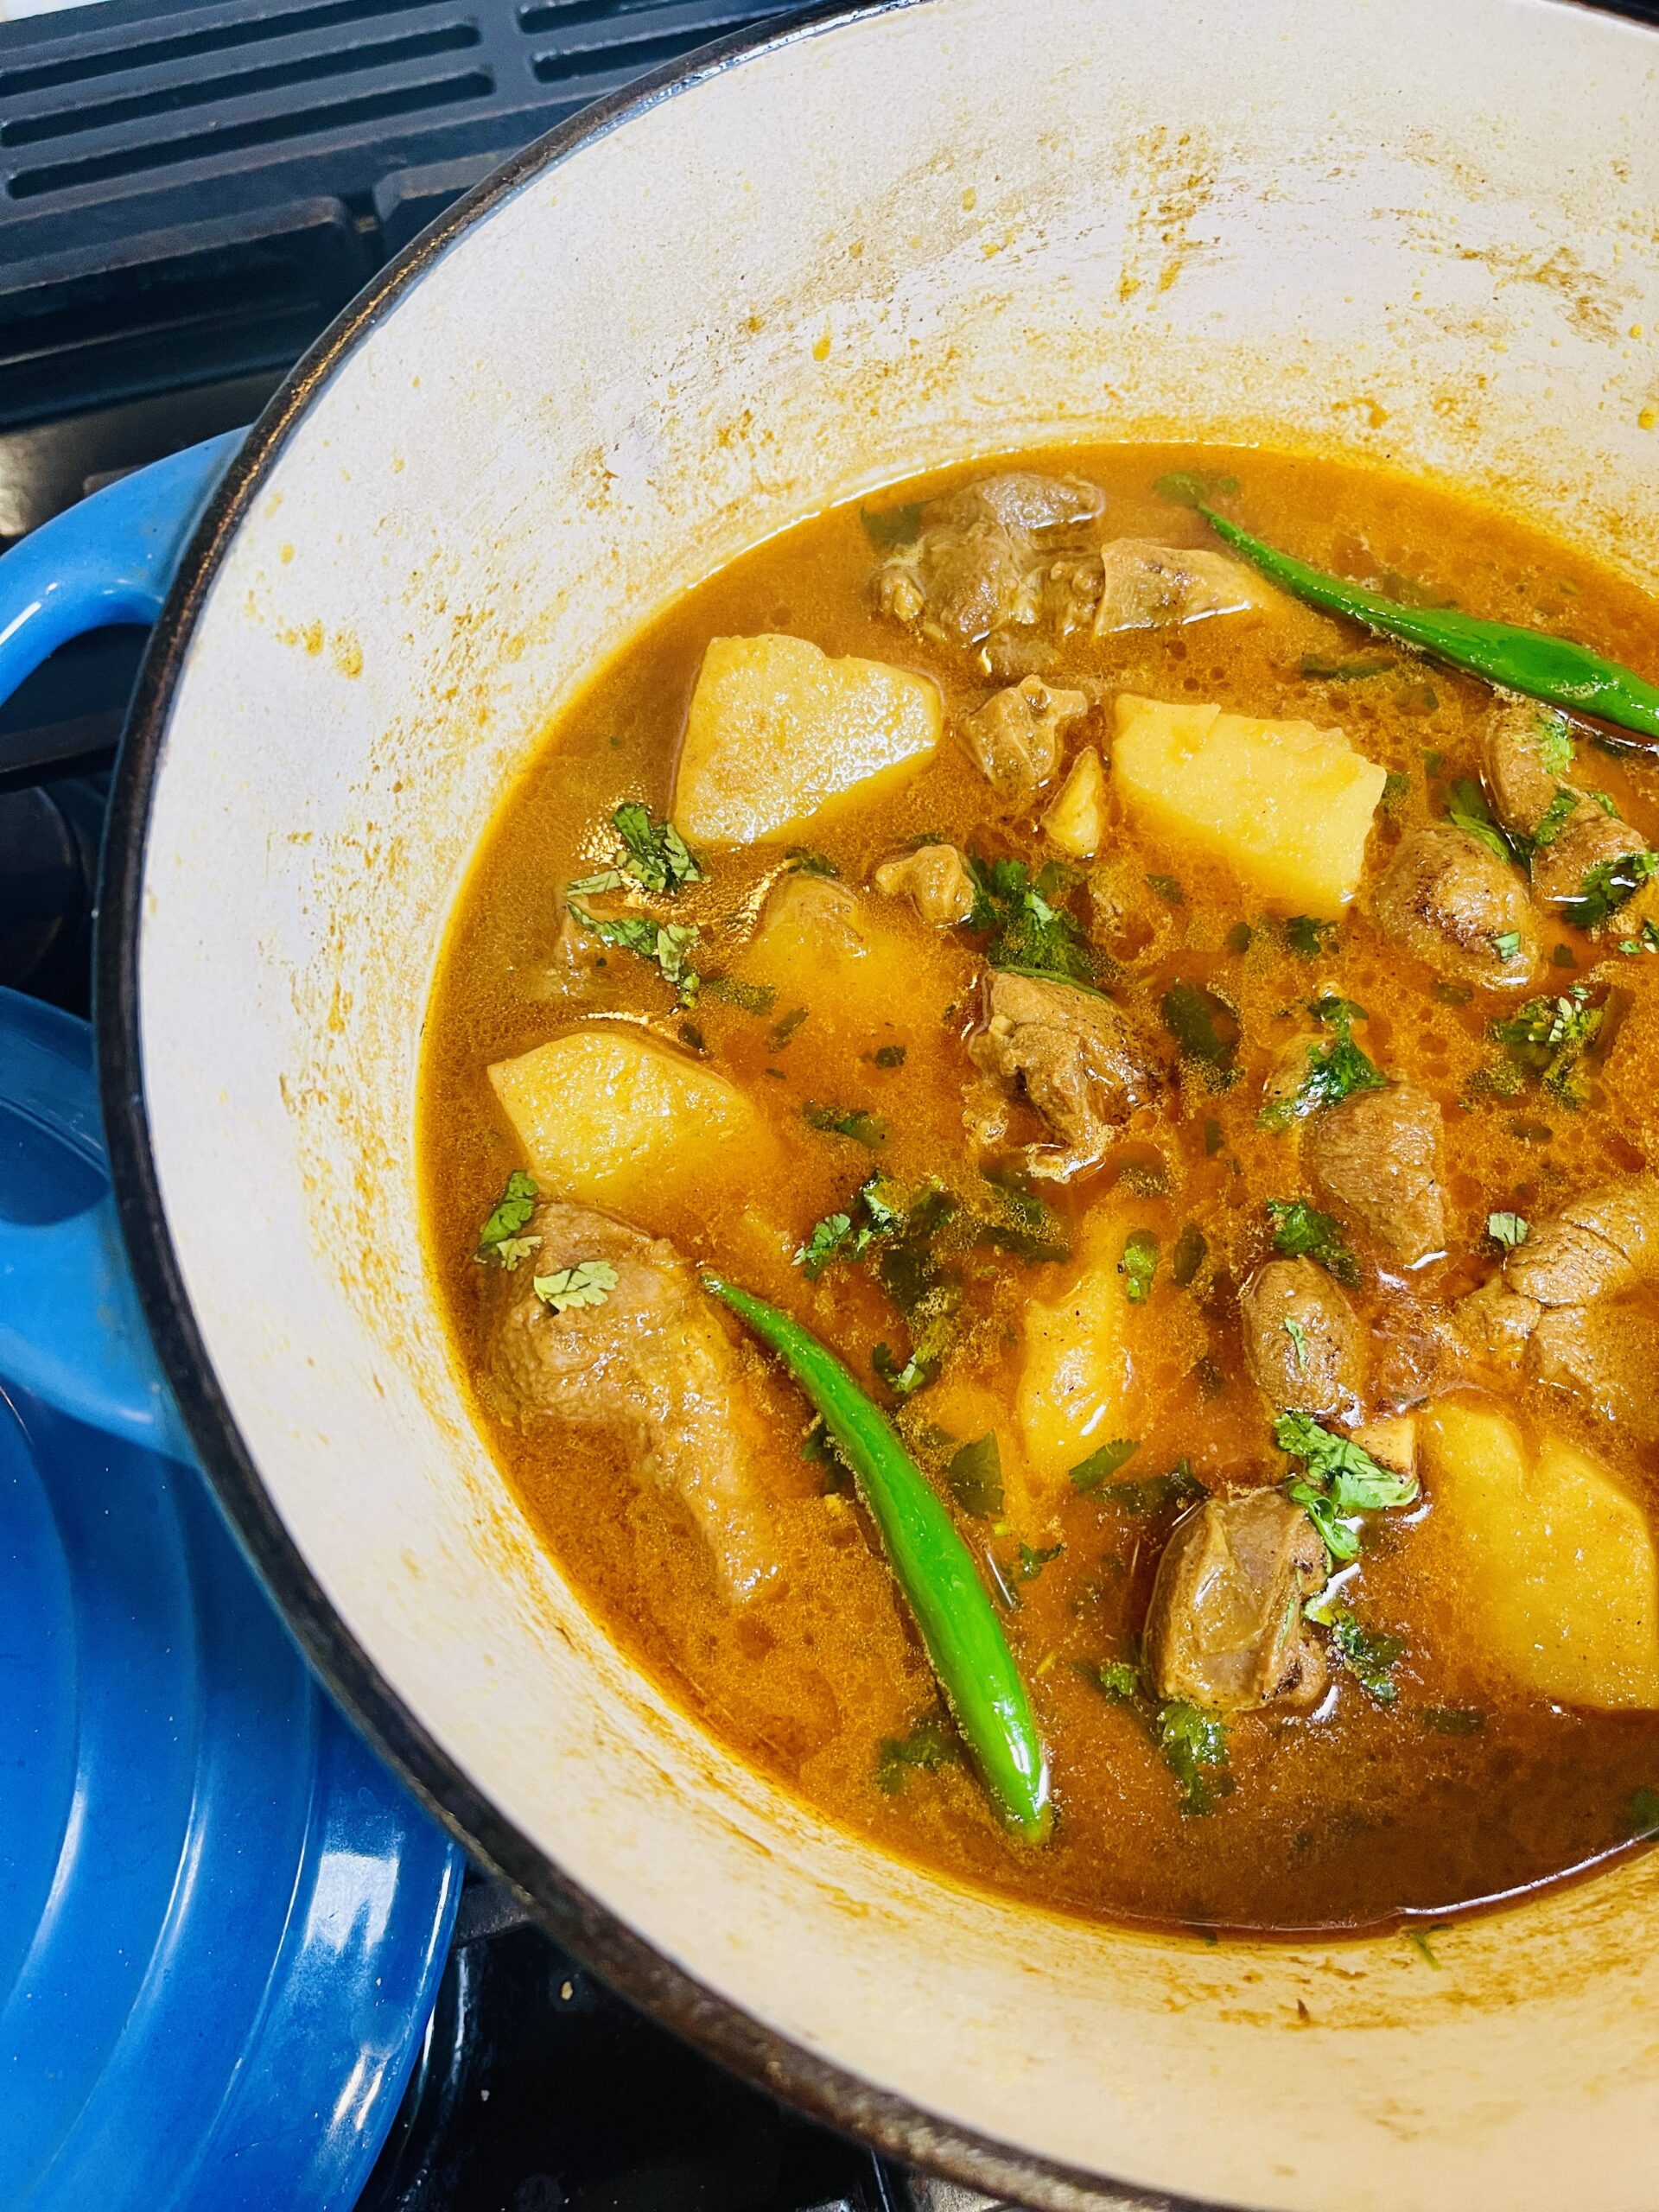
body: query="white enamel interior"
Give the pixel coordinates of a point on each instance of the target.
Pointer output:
(1422, 229)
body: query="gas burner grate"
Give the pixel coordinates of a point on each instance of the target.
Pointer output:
(192, 192)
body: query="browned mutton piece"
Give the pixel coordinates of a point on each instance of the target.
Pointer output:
(1075, 1055)
(1015, 738)
(1225, 1628)
(1145, 586)
(979, 562)
(1578, 834)
(935, 879)
(1302, 1343)
(1573, 1306)
(1466, 912)
(653, 1363)
(1378, 1154)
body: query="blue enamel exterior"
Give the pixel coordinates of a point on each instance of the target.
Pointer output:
(222, 1921)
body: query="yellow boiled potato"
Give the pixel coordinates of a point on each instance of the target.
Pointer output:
(608, 1117)
(1076, 1384)
(1289, 805)
(777, 730)
(1554, 1563)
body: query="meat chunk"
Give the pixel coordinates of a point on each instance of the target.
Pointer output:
(935, 879)
(1607, 1356)
(653, 1363)
(1015, 738)
(1525, 754)
(1602, 1243)
(807, 910)
(1591, 839)
(1145, 586)
(1080, 1063)
(1496, 1323)
(1225, 1630)
(978, 562)
(1454, 904)
(1378, 1154)
(1302, 1341)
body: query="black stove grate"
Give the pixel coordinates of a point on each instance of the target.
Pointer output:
(193, 192)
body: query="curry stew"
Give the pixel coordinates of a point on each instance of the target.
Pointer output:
(1194, 1065)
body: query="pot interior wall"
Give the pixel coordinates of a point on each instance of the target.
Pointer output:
(1418, 231)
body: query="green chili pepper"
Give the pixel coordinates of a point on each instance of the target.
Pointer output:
(935, 1570)
(1530, 661)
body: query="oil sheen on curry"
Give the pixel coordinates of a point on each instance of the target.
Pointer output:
(1043, 1163)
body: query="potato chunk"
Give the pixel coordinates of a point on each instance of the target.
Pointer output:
(610, 1118)
(1554, 1563)
(777, 730)
(1288, 804)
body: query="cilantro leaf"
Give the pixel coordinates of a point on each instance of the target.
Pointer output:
(1554, 818)
(1206, 1028)
(1302, 1231)
(502, 1238)
(1113, 1678)
(663, 944)
(1607, 886)
(801, 859)
(1547, 1037)
(890, 526)
(658, 856)
(974, 1476)
(1507, 944)
(784, 1027)
(930, 1745)
(932, 1323)
(1032, 1560)
(1508, 1230)
(1156, 1494)
(1469, 812)
(1194, 1745)
(590, 1283)
(1188, 1256)
(1168, 889)
(754, 998)
(1029, 934)
(1298, 1335)
(1644, 1812)
(854, 1122)
(1554, 742)
(1139, 1265)
(1307, 937)
(1335, 1071)
(1193, 487)
(1103, 1463)
(1358, 1482)
(1340, 1539)
(1369, 1655)
(878, 1208)
(825, 1243)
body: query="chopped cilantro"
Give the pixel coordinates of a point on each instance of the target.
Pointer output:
(1302, 1231)
(1369, 1655)
(1103, 1463)
(1192, 487)
(1157, 1494)
(1395, 785)
(502, 1238)
(1554, 742)
(1138, 1264)
(1507, 944)
(1214, 1138)
(854, 1122)
(1547, 1037)
(879, 1209)
(1113, 1678)
(1032, 1560)
(754, 998)
(664, 944)
(1647, 942)
(1167, 889)
(1554, 818)
(890, 526)
(1298, 1335)
(932, 1321)
(1204, 1027)
(1644, 1812)
(1453, 1719)
(1607, 886)
(1342, 1480)
(1194, 1745)
(1469, 812)
(1188, 1256)
(1419, 1941)
(690, 1036)
(1307, 937)
(1017, 1221)
(590, 1283)
(1452, 994)
(889, 1055)
(1029, 934)
(930, 1745)
(1508, 1230)
(653, 854)
(825, 1243)
(1562, 956)
(784, 1027)
(801, 859)
(974, 1476)
(1240, 937)
(1335, 1071)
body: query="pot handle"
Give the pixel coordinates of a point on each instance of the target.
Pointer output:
(111, 558)
(72, 1331)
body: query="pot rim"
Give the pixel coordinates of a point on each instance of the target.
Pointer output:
(595, 1934)
(600, 1938)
